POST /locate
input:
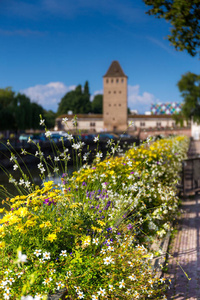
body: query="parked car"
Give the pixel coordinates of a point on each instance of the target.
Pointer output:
(24, 137)
(108, 136)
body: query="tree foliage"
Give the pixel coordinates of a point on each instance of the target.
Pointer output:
(77, 101)
(184, 16)
(189, 86)
(97, 104)
(17, 112)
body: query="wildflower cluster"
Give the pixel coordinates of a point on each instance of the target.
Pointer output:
(89, 235)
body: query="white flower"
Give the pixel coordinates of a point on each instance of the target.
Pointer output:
(69, 136)
(56, 170)
(42, 170)
(130, 263)
(47, 280)
(11, 280)
(128, 291)
(29, 140)
(69, 273)
(59, 285)
(94, 297)
(12, 180)
(22, 257)
(111, 248)
(56, 158)
(21, 181)
(101, 292)
(121, 284)
(13, 157)
(19, 274)
(63, 253)
(7, 295)
(76, 146)
(95, 241)
(96, 138)
(111, 287)
(37, 252)
(99, 155)
(4, 282)
(42, 122)
(15, 167)
(108, 260)
(80, 295)
(46, 255)
(27, 184)
(77, 288)
(48, 133)
(27, 297)
(132, 277)
(64, 120)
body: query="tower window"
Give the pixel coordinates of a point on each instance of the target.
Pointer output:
(109, 92)
(114, 92)
(120, 104)
(120, 92)
(107, 80)
(117, 80)
(109, 104)
(111, 80)
(113, 119)
(122, 80)
(142, 124)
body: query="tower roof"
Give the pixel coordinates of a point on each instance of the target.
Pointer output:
(115, 70)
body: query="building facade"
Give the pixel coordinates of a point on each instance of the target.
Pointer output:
(115, 98)
(115, 111)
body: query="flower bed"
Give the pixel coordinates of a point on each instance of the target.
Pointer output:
(89, 236)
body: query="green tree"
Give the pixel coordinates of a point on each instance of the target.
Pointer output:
(7, 107)
(184, 16)
(77, 101)
(36, 111)
(6, 97)
(22, 112)
(49, 117)
(97, 104)
(189, 86)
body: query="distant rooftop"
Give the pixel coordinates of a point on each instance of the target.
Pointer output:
(115, 70)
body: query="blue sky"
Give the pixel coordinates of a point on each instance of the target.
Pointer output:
(47, 47)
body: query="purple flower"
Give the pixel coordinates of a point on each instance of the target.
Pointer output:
(84, 183)
(129, 226)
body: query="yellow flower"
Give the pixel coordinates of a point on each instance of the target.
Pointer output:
(101, 223)
(30, 223)
(48, 224)
(2, 244)
(48, 184)
(22, 211)
(51, 237)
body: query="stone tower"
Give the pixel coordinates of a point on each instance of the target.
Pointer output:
(115, 98)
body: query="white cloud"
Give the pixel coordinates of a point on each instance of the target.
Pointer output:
(48, 95)
(96, 93)
(140, 102)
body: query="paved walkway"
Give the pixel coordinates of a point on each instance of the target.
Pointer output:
(184, 261)
(185, 250)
